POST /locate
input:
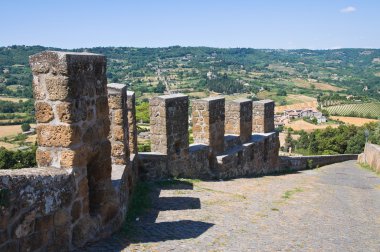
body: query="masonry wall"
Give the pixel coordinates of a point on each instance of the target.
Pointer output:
(75, 195)
(224, 146)
(371, 156)
(309, 162)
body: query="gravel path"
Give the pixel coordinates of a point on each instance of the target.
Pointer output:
(333, 208)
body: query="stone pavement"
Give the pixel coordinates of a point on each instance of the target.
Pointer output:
(333, 208)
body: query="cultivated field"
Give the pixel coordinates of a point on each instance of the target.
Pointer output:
(357, 121)
(12, 99)
(362, 109)
(11, 130)
(308, 127)
(318, 85)
(303, 105)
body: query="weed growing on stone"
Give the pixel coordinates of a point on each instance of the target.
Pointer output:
(369, 168)
(288, 194)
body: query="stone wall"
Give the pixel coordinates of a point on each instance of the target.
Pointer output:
(224, 146)
(309, 162)
(33, 213)
(78, 193)
(169, 127)
(371, 156)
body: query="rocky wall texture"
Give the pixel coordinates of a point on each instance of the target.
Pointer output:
(371, 156)
(37, 209)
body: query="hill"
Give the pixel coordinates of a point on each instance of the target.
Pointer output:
(236, 70)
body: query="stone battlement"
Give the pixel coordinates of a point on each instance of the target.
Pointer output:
(87, 156)
(224, 144)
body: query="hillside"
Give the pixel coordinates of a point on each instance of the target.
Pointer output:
(235, 70)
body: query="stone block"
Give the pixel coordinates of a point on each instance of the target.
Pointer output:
(73, 158)
(58, 136)
(43, 158)
(72, 112)
(57, 87)
(44, 112)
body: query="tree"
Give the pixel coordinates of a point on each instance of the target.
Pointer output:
(25, 127)
(313, 144)
(288, 141)
(160, 88)
(281, 92)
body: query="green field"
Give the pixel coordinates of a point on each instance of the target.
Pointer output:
(367, 110)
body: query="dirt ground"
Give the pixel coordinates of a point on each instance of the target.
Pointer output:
(303, 105)
(11, 130)
(308, 127)
(357, 121)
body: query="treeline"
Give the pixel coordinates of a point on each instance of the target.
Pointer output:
(221, 84)
(345, 139)
(17, 107)
(17, 159)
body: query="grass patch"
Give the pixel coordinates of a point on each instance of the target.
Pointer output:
(369, 168)
(288, 194)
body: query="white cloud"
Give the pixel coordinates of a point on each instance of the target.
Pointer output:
(348, 9)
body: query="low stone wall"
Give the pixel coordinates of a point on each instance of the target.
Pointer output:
(309, 162)
(257, 157)
(37, 209)
(371, 156)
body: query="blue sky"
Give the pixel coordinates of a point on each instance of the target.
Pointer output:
(288, 24)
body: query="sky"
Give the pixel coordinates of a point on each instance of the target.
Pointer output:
(285, 24)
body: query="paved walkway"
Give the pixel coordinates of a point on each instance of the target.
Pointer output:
(333, 208)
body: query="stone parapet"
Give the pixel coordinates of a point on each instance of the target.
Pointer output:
(208, 116)
(310, 162)
(169, 128)
(239, 119)
(132, 126)
(263, 116)
(118, 135)
(37, 208)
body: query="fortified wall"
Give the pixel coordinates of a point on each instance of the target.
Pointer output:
(87, 156)
(86, 164)
(231, 139)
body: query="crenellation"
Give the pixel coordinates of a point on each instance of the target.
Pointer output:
(208, 118)
(169, 125)
(119, 126)
(239, 119)
(87, 153)
(132, 128)
(263, 116)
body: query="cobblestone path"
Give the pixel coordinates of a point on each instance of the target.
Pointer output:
(333, 208)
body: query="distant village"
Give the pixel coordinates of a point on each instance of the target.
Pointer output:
(290, 114)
